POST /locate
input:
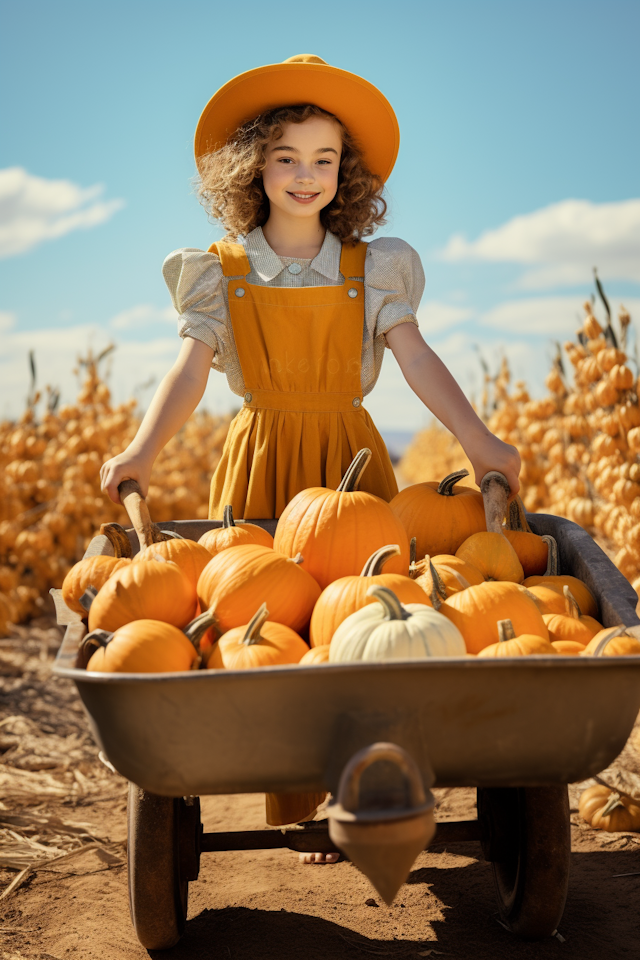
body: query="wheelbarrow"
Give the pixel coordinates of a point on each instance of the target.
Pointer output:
(517, 729)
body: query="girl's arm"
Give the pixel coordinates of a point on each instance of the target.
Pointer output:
(430, 380)
(177, 396)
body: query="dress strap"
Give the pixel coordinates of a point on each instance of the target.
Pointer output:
(233, 259)
(352, 259)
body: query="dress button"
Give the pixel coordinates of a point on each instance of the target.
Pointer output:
(353, 292)
(294, 268)
(248, 397)
(239, 291)
(356, 401)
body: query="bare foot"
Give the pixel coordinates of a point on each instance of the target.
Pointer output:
(319, 857)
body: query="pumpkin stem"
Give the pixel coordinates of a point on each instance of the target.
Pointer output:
(252, 633)
(412, 558)
(552, 558)
(227, 517)
(356, 468)
(615, 800)
(619, 631)
(393, 608)
(170, 535)
(517, 519)
(298, 558)
(495, 491)
(445, 487)
(571, 604)
(373, 566)
(92, 642)
(117, 537)
(505, 631)
(439, 586)
(195, 631)
(88, 597)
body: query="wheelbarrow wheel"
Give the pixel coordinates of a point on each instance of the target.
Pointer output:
(163, 855)
(526, 836)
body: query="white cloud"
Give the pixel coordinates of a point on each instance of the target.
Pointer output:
(565, 240)
(435, 316)
(143, 315)
(33, 209)
(557, 317)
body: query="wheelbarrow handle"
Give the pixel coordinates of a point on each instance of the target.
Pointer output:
(495, 491)
(138, 511)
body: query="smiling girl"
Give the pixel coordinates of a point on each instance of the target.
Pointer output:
(292, 305)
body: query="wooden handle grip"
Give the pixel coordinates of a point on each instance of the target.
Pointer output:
(495, 492)
(137, 510)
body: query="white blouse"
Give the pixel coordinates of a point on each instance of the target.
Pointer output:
(393, 283)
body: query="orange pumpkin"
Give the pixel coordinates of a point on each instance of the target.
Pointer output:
(552, 581)
(612, 642)
(446, 564)
(155, 590)
(147, 646)
(190, 556)
(572, 626)
(567, 648)
(440, 515)
(606, 809)
(231, 582)
(260, 643)
(493, 556)
(532, 550)
(336, 531)
(476, 612)
(89, 572)
(443, 580)
(348, 594)
(510, 645)
(230, 534)
(316, 655)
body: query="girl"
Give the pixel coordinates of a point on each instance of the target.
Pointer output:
(292, 305)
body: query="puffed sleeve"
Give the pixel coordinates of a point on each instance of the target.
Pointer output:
(394, 283)
(194, 279)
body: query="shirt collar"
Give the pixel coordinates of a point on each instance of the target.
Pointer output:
(267, 264)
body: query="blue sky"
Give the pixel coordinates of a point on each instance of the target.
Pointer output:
(508, 111)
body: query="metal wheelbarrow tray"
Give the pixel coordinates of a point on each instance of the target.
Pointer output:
(518, 729)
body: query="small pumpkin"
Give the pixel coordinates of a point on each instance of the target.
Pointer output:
(612, 642)
(90, 571)
(443, 580)
(568, 648)
(571, 626)
(510, 645)
(493, 555)
(455, 573)
(552, 581)
(389, 630)
(146, 646)
(606, 809)
(348, 594)
(440, 515)
(260, 643)
(336, 531)
(532, 550)
(232, 580)
(190, 556)
(476, 612)
(155, 590)
(315, 655)
(231, 534)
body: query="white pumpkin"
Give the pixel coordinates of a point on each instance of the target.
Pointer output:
(390, 630)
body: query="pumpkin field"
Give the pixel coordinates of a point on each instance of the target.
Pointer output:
(63, 850)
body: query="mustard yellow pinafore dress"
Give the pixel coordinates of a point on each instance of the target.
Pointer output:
(302, 419)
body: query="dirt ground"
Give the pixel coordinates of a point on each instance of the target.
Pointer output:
(59, 799)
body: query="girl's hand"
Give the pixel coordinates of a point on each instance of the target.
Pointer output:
(126, 466)
(487, 452)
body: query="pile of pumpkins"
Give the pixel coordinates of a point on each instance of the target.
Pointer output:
(339, 582)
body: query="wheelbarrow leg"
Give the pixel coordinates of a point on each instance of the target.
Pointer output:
(526, 835)
(163, 855)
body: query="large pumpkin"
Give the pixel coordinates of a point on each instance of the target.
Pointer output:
(89, 572)
(389, 630)
(147, 646)
(155, 590)
(440, 515)
(260, 643)
(190, 556)
(239, 577)
(492, 555)
(477, 610)
(336, 531)
(348, 594)
(231, 534)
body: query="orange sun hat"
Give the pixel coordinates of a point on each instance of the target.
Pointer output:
(303, 79)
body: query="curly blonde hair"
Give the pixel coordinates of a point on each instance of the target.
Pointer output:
(230, 179)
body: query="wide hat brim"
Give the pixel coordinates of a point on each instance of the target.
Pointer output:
(361, 107)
